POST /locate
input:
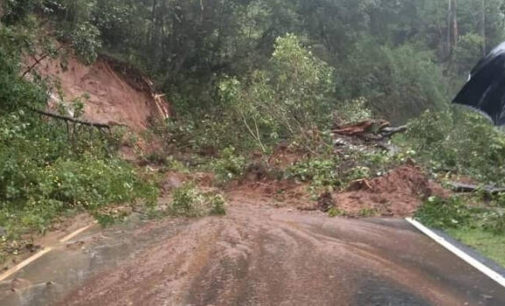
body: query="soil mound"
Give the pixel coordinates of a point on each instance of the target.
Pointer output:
(398, 193)
(115, 94)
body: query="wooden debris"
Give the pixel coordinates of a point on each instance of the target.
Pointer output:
(467, 188)
(70, 119)
(361, 184)
(369, 129)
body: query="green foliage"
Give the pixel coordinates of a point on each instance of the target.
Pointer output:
(46, 170)
(456, 213)
(489, 244)
(86, 41)
(205, 132)
(353, 110)
(368, 212)
(336, 172)
(445, 213)
(320, 172)
(229, 166)
(335, 212)
(390, 53)
(189, 201)
(291, 96)
(399, 82)
(467, 53)
(459, 141)
(42, 175)
(13, 90)
(16, 10)
(218, 205)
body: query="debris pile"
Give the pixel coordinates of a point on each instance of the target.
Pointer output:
(366, 132)
(398, 193)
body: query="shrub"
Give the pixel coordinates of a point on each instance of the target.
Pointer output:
(229, 166)
(459, 141)
(400, 82)
(445, 213)
(86, 41)
(455, 213)
(466, 53)
(44, 169)
(218, 205)
(189, 201)
(353, 110)
(292, 95)
(319, 171)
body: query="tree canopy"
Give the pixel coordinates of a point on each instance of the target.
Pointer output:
(408, 55)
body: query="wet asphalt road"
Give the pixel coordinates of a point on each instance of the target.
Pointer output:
(253, 256)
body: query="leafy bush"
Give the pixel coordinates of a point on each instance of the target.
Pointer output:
(46, 170)
(189, 201)
(291, 96)
(319, 171)
(35, 190)
(86, 41)
(455, 213)
(445, 213)
(218, 205)
(353, 110)
(459, 141)
(400, 82)
(467, 53)
(229, 166)
(16, 10)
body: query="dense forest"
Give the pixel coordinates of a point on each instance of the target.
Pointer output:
(400, 55)
(244, 76)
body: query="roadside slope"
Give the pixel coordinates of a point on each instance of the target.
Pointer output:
(109, 97)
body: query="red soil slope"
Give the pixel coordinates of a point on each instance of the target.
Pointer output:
(114, 98)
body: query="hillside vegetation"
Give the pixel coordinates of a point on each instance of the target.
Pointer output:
(246, 79)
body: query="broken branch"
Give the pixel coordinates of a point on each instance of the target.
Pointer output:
(467, 188)
(70, 119)
(37, 61)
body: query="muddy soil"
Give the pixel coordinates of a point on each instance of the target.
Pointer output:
(256, 255)
(396, 194)
(111, 97)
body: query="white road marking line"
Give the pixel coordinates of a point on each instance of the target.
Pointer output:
(458, 252)
(77, 232)
(46, 250)
(23, 264)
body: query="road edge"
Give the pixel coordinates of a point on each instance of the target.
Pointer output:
(8, 273)
(458, 252)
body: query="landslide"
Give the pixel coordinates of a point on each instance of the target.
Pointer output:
(112, 92)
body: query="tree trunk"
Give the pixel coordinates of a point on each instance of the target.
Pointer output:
(452, 25)
(483, 28)
(455, 29)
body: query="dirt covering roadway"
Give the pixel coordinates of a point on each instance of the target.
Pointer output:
(256, 255)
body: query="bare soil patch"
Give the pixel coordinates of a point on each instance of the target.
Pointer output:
(114, 97)
(397, 194)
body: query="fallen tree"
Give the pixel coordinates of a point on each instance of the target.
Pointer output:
(467, 188)
(369, 130)
(70, 119)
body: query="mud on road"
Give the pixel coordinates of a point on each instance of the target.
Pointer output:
(256, 255)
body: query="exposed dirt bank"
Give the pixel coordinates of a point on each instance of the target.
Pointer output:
(113, 97)
(398, 193)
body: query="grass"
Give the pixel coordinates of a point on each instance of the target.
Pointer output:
(488, 244)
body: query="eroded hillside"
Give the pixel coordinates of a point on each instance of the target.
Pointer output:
(111, 93)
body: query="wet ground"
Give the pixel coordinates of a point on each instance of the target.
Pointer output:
(255, 255)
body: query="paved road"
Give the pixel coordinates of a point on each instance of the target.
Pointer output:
(254, 256)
